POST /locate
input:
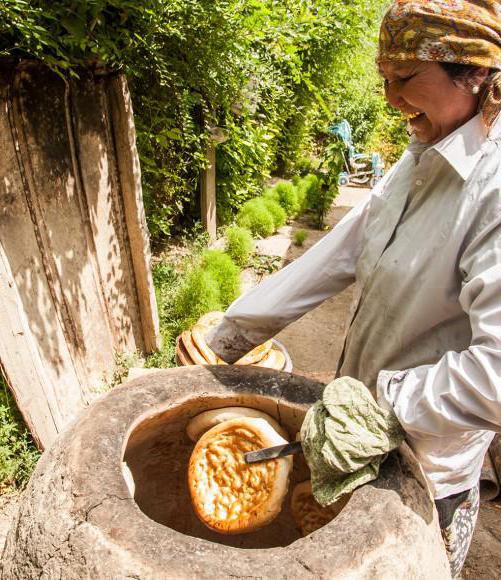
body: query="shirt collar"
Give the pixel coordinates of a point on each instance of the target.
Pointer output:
(463, 148)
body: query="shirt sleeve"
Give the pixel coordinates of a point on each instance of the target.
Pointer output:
(462, 391)
(323, 271)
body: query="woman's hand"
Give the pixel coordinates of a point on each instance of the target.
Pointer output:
(344, 438)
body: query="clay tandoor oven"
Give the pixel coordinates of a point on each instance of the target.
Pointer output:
(78, 518)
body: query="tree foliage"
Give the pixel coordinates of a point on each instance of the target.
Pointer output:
(270, 72)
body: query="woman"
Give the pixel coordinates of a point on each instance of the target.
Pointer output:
(424, 253)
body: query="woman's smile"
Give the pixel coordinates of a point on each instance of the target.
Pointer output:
(433, 104)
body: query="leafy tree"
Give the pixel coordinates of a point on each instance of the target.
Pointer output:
(271, 72)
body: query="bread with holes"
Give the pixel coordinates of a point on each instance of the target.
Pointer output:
(229, 495)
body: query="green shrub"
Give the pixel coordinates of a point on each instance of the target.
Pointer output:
(276, 211)
(300, 237)
(271, 193)
(304, 165)
(199, 293)
(305, 188)
(255, 216)
(18, 454)
(239, 244)
(320, 200)
(310, 187)
(287, 198)
(207, 280)
(226, 274)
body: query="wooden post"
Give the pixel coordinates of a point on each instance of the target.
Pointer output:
(208, 183)
(208, 192)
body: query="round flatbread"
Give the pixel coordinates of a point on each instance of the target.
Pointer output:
(211, 319)
(192, 350)
(208, 419)
(199, 332)
(182, 356)
(256, 354)
(275, 359)
(310, 515)
(229, 495)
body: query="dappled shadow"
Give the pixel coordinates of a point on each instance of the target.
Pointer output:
(63, 227)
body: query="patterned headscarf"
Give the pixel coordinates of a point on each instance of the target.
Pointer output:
(456, 31)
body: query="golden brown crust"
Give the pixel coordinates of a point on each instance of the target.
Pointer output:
(193, 351)
(208, 419)
(229, 495)
(198, 333)
(182, 356)
(275, 359)
(256, 354)
(310, 515)
(211, 319)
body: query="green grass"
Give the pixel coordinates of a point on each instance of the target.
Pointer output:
(18, 453)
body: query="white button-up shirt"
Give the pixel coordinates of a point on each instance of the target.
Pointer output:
(424, 252)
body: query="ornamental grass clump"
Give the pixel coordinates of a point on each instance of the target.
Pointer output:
(256, 217)
(300, 237)
(226, 274)
(287, 197)
(197, 294)
(319, 198)
(239, 244)
(277, 212)
(305, 188)
(312, 187)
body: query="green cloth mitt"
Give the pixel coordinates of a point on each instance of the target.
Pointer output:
(344, 437)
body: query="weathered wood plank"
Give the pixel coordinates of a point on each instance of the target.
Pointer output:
(76, 281)
(129, 172)
(23, 366)
(105, 213)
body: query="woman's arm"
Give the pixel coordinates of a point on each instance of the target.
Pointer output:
(462, 391)
(326, 269)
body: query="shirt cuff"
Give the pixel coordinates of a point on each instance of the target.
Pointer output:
(387, 388)
(228, 341)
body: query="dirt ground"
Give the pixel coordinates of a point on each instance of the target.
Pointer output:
(315, 342)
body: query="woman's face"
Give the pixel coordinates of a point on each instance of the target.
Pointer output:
(432, 102)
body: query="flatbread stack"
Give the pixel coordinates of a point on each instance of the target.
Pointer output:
(192, 348)
(229, 495)
(310, 515)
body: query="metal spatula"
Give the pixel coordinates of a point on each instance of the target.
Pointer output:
(273, 452)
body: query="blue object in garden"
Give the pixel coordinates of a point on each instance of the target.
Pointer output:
(359, 168)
